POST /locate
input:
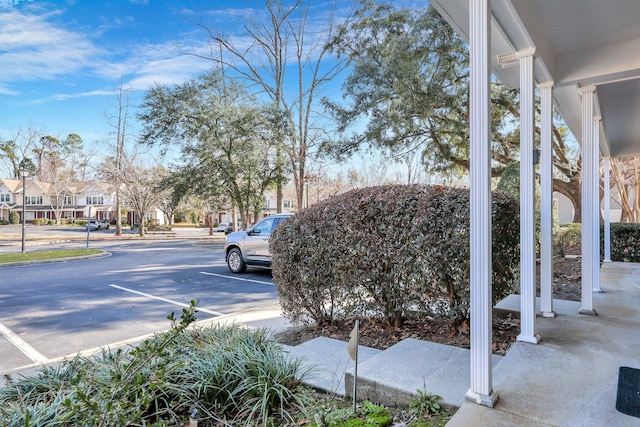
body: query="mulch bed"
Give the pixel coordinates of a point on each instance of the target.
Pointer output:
(374, 333)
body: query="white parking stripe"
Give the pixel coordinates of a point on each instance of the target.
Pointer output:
(22, 345)
(235, 278)
(203, 310)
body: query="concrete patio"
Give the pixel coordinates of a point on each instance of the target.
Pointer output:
(570, 378)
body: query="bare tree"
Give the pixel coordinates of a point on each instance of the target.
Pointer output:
(625, 178)
(57, 162)
(17, 147)
(285, 35)
(139, 187)
(119, 121)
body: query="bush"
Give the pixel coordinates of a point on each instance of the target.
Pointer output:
(4, 222)
(40, 221)
(228, 374)
(154, 225)
(14, 217)
(625, 242)
(510, 183)
(568, 240)
(386, 252)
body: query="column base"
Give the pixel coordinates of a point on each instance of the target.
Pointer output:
(548, 314)
(527, 338)
(481, 399)
(598, 291)
(606, 260)
(587, 312)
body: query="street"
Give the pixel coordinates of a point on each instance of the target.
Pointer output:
(51, 311)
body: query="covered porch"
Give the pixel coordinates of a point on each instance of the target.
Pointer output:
(582, 58)
(570, 378)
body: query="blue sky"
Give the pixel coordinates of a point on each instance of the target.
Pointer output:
(61, 61)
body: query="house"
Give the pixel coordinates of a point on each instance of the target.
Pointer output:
(8, 195)
(75, 200)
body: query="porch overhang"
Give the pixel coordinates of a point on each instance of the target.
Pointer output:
(577, 43)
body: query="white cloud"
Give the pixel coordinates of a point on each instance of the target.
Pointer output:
(4, 90)
(155, 63)
(61, 97)
(35, 49)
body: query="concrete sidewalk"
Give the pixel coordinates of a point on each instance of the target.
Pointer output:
(569, 379)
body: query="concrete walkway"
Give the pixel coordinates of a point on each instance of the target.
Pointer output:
(569, 379)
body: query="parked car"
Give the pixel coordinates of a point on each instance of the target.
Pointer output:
(251, 247)
(222, 226)
(230, 227)
(97, 225)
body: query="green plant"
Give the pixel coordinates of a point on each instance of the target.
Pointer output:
(113, 389)
(425, 403)
(221, 375)
(625, 242)
(127, 387)
(245, 375)
(387, 251)
(510, 183)
(14, 217)
(567, 238)
(367, 414)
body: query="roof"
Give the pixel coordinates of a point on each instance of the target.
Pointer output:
(577, 43)
(12, 184)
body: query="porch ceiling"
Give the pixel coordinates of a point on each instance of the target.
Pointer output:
(577, 43)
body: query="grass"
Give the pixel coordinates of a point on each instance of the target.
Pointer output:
(45, 255)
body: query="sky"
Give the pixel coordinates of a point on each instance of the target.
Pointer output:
(62, 61)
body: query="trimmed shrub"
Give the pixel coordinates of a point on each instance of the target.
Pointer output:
(40, 221)
(625, 242)
(568, 240)
(386, 252)
(14, 217)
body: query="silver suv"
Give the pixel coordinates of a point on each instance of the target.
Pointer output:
(251, 247)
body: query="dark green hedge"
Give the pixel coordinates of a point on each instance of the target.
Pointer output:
(388, 252)
(625, 242)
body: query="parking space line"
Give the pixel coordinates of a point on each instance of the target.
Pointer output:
(22, 345)
(236, 278)
(200, 309)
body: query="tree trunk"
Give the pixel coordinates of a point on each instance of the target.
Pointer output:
(118, 215)
(573, 191)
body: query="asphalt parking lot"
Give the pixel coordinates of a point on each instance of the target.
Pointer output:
(53, 311)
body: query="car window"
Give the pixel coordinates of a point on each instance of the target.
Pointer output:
(264, 226)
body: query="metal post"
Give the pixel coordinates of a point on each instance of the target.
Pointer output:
(89, 228)
(355, 373)
(24, 203)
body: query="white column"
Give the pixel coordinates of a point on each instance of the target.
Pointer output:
(481, 388)
(546, 200)
(527, 202)
(590, 228)
(607, 209)
(595, 265)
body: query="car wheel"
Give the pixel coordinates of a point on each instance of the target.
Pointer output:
(235, 262)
